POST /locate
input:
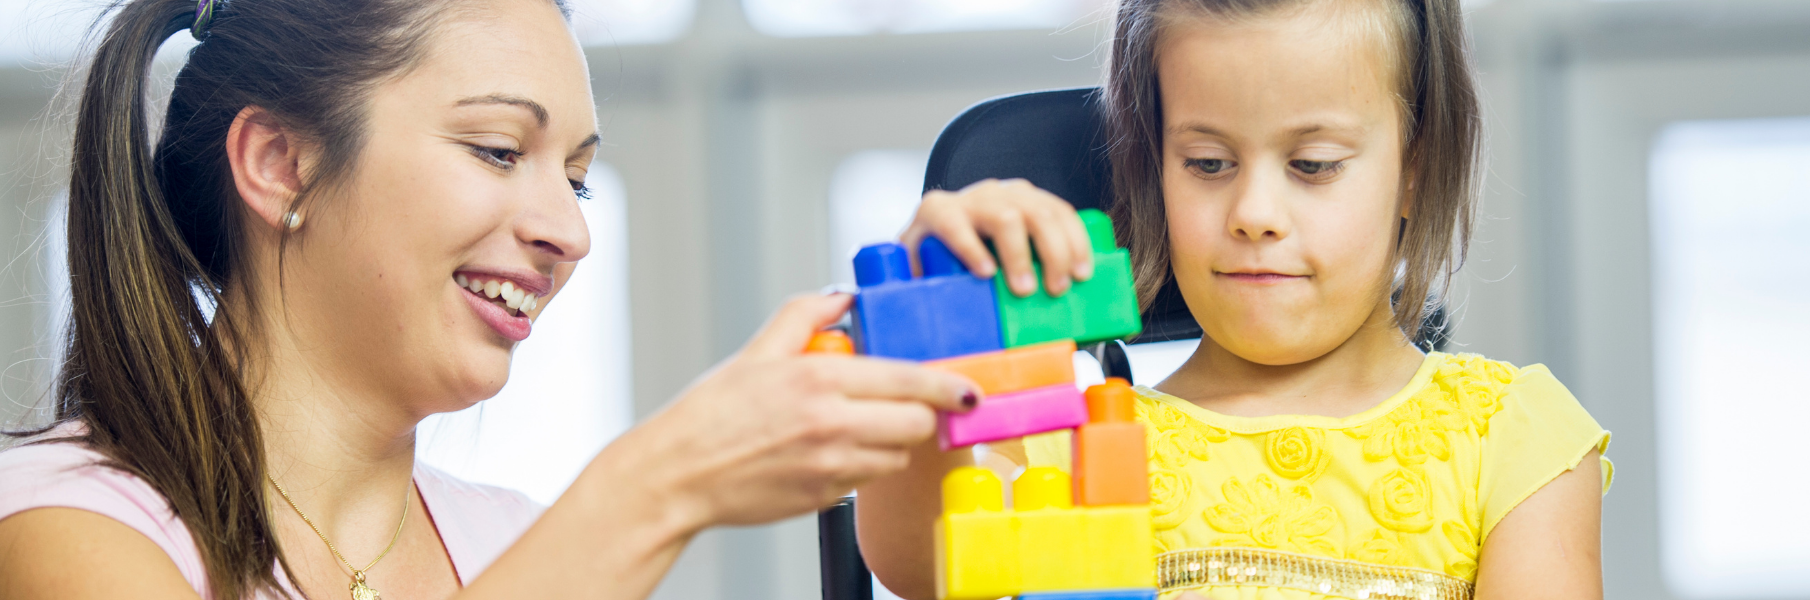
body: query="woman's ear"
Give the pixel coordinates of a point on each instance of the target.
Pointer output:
(266, 163)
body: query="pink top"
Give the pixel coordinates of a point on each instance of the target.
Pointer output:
(476, 522)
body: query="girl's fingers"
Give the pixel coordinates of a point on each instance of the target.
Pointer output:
(952, 225)
(1054, 250)
(1083, 247)
(1011, 241)
(792, 326)
(898, 381)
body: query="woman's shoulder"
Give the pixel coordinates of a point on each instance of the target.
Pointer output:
(54, 470)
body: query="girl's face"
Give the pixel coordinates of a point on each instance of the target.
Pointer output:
(1282, 167)
(467, 175)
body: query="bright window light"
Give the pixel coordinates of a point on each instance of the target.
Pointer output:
(1730, 208)
(569, 388)
(626, 22)
(806, 18)
(873, 195)
(49, 33)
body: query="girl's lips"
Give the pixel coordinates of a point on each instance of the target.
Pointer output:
(514, 327)
(1261, 277)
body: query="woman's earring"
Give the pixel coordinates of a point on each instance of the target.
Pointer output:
(292, 220)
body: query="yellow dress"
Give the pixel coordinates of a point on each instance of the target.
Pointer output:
(1393, 502)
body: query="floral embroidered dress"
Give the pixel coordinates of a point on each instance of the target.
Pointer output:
(1393, 502)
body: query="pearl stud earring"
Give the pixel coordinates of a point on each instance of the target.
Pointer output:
(292, 220)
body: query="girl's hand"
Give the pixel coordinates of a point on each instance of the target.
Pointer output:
(772, 432)
(1007, 212)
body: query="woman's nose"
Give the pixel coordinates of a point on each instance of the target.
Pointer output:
(552, 223)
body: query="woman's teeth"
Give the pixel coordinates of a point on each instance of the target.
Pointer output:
(513, 297)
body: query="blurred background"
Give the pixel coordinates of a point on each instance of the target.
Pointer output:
(1646, 235)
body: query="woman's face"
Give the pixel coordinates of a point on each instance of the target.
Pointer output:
(1281, 173)
(467, 175)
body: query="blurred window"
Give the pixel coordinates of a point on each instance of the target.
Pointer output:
(569, 390)
(1730, 208)
(806, 18)
(873, 195)
(626, 22)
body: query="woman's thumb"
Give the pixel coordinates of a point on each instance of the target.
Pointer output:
(792, 326)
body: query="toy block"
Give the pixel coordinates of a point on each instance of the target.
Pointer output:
(1052, 535)
(1143, 594)
(1015, 369)
(832, 341)
(976, 540)
(1017, 414)
(1102, 308)
(1121, 550)
(1110, 460)
(948, 312)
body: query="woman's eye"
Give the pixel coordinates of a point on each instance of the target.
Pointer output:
(579, 189)
(1316, 167)
(499, 157)
(1207, 166)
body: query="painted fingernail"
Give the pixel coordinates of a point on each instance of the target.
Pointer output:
(970, 400)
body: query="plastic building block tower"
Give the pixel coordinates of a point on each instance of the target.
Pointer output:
(1082, 538)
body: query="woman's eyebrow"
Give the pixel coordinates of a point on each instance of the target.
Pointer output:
(540, 112)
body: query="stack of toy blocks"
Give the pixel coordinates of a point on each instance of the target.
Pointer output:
(1020, 352)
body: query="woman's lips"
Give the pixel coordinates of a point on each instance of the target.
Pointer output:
(514, 327)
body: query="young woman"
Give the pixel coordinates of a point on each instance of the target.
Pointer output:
(355, 210)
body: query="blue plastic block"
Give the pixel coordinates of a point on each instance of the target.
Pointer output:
(1142, 594)
(949, 312)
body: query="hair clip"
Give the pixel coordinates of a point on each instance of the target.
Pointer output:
(204, 16)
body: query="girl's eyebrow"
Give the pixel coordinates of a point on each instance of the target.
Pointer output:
(1196, 127)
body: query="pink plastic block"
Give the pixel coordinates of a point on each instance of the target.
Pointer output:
(1017, 414)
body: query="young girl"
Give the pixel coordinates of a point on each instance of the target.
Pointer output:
(1294, 165)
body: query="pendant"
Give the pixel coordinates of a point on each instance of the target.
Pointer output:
(360, 591)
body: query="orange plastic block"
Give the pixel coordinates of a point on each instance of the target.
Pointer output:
(1110, 459)
(976, 539)
(1052, 534)
(1015, 369)
(831, 341)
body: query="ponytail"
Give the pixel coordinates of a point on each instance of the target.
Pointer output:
(155, 354)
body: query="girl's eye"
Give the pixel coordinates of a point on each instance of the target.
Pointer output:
(1316, 167)
(1207, 166)
(503, 158)
(579, 189)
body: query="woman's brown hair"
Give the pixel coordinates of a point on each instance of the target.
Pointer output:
(153, 372)
(1442, 127)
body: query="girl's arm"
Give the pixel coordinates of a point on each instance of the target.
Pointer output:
(894, 515)
(1550, 545)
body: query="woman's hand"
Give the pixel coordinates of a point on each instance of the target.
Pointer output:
(773, 432)
(1007, 212)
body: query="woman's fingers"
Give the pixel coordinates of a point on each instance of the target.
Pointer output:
(856, 377)
(886, 424)
(794, 323)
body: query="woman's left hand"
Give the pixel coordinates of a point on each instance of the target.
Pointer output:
(1014, 214)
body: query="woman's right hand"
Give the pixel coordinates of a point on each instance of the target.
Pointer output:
(773, 432)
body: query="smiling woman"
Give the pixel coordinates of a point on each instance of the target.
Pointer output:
(355, 212)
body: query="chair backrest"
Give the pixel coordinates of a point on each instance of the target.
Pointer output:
(1057, 140)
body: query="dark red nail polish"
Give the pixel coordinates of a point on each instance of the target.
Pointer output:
(970, 400)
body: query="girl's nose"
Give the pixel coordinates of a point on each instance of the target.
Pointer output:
(1258, 211)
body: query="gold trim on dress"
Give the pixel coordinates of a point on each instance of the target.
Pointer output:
(1188, 569)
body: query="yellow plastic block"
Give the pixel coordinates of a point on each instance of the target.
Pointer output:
(1052, 534)
(1121, 550)
(977, 551)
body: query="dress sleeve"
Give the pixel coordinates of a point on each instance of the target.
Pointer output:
(1539, 433)
(1048, 449)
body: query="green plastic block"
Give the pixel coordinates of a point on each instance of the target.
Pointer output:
(1099, 309)
(1099, 230)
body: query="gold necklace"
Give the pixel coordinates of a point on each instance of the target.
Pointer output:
(360, 591)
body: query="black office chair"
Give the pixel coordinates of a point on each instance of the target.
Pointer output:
(1056, 140)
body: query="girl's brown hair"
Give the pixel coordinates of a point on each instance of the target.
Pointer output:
(153, 372)
(1442, 127)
